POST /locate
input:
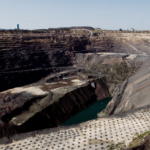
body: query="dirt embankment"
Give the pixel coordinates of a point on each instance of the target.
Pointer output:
(127, 77)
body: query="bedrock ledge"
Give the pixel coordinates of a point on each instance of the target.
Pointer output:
(35, 108)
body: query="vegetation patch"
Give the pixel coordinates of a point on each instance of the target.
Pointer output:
(139, 139)
(118, 146)
(135, 142)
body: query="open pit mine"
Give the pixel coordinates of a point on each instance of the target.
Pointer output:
(74, 88)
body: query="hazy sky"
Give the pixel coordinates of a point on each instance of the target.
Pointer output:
(105, 14)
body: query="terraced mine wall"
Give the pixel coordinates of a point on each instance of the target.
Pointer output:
(28, 56)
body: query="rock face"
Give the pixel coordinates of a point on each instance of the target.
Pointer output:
(46, 107)
(28, 56)
(132, 93)
(137, 90)
(118, 70)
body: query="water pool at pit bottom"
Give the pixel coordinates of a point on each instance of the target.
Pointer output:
(88, 113)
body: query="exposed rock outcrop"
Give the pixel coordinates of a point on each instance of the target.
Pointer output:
(46, 106)
(28, 56)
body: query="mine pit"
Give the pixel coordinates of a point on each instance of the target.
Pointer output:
(87, 93)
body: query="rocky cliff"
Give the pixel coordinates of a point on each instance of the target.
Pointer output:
(122, 71)
(40, 107)
(27, 58)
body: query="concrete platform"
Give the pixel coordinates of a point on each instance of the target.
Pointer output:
(92, 135)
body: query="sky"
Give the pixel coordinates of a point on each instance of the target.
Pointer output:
(104, 14)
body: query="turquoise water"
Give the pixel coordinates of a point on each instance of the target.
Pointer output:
(88, 113)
